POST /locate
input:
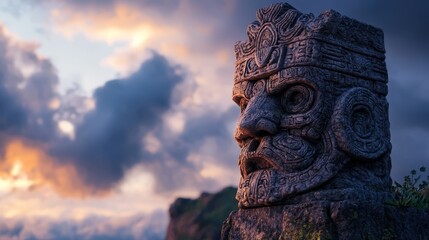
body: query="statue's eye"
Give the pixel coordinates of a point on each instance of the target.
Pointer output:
(298, 99)
(243, 104)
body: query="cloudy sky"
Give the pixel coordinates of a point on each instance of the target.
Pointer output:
(111, 109)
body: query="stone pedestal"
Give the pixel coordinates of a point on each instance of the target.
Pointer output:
(346, 220)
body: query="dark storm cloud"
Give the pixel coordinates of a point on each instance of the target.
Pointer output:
(24, 100)
(13, 115)
(12, 112)
(37, 93)
(109, 140)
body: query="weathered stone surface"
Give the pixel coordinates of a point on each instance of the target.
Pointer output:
(346, 220)
(314, 132)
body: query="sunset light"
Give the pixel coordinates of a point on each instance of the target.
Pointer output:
(111, 110)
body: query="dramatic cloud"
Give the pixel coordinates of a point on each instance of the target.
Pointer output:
(135, 139)
(27, 87)
(83, 147)
(28, 103)
(109, 139)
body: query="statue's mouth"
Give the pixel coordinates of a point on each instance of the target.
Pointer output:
(255, 164)
(252, 159)
(281, 152)
(275, 167)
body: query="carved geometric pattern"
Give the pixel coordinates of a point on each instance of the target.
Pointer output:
(329, 41)
(361, 124)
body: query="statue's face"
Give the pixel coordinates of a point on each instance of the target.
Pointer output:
(278, 128)
(285, 148)
(297, 132)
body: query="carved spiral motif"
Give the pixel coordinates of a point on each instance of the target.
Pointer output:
(297, 153)
(298, 99)
(361, 124)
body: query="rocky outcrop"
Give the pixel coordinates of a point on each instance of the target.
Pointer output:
(201, 218)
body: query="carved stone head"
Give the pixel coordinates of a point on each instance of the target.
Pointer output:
(314, 115)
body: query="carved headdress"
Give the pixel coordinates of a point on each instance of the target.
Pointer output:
(283, 37)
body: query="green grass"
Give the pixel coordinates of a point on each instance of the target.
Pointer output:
(413, 192)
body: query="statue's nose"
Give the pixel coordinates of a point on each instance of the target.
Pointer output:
(259, 119)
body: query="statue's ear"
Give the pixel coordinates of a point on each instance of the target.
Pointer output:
(361, 124)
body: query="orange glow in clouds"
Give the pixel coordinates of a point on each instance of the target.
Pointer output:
(25, 167)
(123, 24)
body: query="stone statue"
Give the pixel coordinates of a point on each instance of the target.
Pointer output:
(314, 115)
(314, 128)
